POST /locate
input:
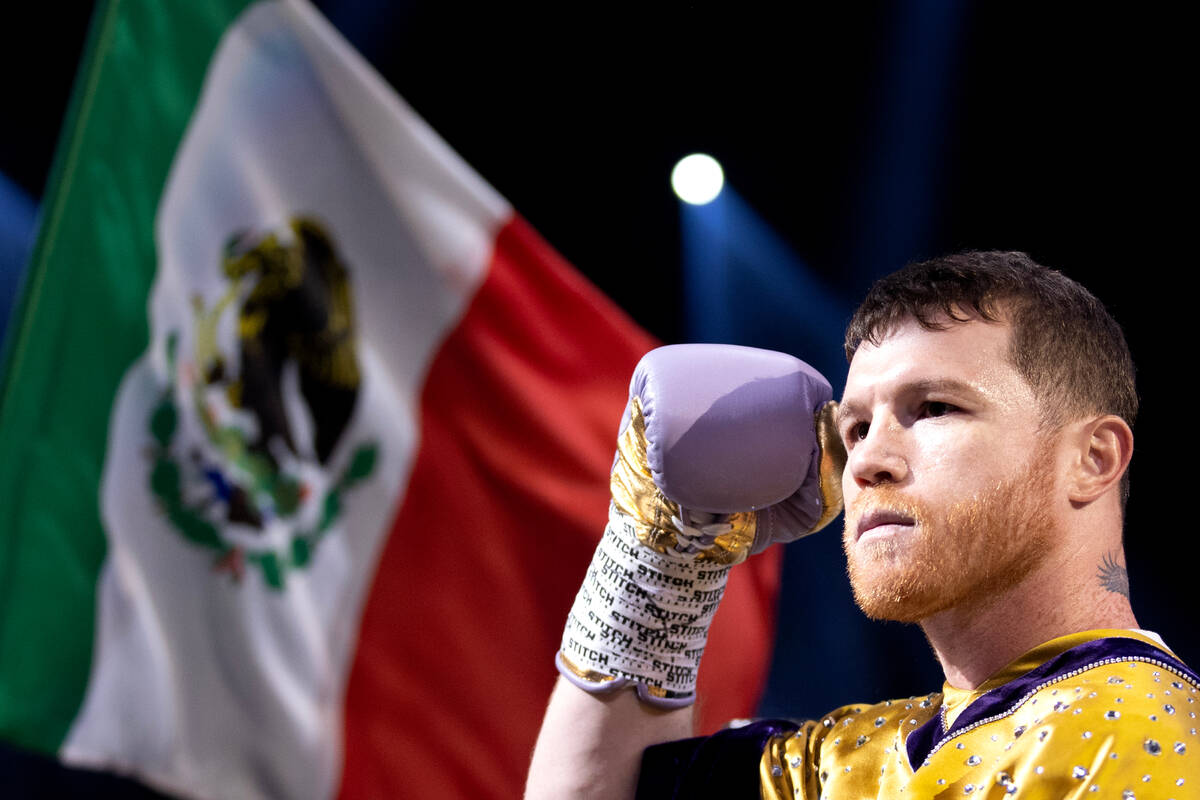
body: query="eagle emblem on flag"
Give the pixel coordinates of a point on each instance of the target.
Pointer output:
(245, 437)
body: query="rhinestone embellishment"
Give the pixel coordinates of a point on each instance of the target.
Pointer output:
(1152, 747)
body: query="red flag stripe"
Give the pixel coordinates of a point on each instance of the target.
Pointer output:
(507, 498)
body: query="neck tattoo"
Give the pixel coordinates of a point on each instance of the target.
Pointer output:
(1113, 576)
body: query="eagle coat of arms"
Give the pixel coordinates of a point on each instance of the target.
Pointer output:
(245, 442)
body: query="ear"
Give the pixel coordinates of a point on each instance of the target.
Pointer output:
(1104, 447)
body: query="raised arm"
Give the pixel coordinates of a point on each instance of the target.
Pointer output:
(590, 745)
(722, 451)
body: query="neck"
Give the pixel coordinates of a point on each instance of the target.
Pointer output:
(973, 642)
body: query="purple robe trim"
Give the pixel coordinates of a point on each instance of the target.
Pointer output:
(1004, 699)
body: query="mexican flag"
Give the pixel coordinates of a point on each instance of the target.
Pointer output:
(306, 435)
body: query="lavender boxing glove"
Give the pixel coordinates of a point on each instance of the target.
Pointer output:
(722, 451)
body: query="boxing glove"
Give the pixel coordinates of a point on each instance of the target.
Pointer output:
(722, 451)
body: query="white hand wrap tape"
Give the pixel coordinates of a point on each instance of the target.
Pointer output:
(641, 616)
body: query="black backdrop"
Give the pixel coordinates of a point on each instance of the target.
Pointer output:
(865, 136)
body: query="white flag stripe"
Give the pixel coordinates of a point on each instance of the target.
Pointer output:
(438, 193)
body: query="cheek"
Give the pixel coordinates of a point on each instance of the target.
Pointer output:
(963, 463)
(941, 455)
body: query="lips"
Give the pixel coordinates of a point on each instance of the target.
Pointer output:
(882, 521)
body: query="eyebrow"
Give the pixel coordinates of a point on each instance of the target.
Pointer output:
(927, 386)
(935, 385)
(844, 410)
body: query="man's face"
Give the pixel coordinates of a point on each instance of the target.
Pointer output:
(949, 481)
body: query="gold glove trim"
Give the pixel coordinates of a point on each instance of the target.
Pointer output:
(733, 547)
(832, 455)
(589, 675)
(636, 495)
(633, 489)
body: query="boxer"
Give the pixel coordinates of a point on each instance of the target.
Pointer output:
(980, 449)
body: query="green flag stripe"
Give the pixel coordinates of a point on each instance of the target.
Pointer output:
(66, 157)
(81, 323)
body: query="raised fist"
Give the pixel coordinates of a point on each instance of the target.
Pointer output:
(722, 451)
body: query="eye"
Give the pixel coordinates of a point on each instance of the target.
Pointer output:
(857, 431)
(936, 408)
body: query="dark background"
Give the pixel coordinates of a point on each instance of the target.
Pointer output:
(863, 136)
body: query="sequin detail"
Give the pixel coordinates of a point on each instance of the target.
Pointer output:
(1002, 727)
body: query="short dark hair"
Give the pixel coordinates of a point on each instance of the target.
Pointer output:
(1064, 343)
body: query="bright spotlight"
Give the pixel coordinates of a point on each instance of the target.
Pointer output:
(697, 179)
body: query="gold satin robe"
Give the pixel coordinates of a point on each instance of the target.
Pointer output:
(1083, 716)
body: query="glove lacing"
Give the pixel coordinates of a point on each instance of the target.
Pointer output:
(697, 531)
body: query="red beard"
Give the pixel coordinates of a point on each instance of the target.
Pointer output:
(968, 554)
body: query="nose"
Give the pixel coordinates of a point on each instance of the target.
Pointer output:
(878, 458)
